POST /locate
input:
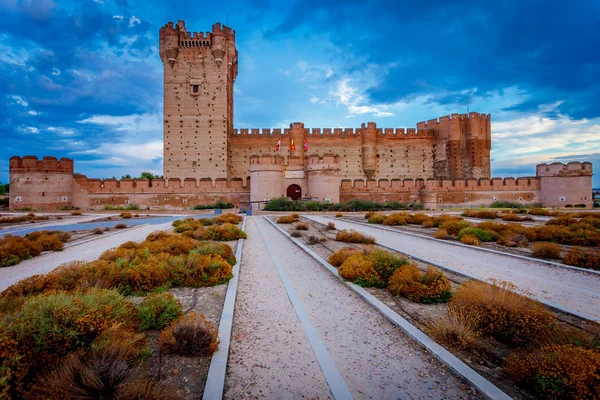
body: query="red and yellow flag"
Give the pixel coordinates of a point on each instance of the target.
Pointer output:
(292, 146)
(278, 145)
(305, 145)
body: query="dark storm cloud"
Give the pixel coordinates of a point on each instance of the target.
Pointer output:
(552, 48)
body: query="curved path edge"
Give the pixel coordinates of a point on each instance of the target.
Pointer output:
(215, 382)
(485, 387)
(552, 263)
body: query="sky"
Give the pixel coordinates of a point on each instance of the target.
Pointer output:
(83, 78)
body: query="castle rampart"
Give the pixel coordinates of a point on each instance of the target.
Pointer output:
(442, 162)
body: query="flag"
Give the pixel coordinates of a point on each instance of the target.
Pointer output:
(305, 145)
(278, 145)
(292, 146)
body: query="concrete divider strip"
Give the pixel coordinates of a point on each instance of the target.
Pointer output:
(485, 387)
(334, 379)
(215, 382)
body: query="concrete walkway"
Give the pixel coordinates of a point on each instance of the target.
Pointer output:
(292, 317)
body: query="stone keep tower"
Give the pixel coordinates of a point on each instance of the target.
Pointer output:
(199, 73)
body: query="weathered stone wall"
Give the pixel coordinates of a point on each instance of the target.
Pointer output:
(95, 194)
(45, 184)
(566, 184)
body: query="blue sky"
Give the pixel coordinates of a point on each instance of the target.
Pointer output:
(83, 78)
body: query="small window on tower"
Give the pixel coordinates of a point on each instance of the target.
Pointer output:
(195, 88)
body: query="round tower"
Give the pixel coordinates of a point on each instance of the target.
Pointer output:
(369, 149)
(266, 177)
(323, 177)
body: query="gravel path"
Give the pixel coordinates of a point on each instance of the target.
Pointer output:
(269, 355)
(88, 251)
(569, 288)
(270, 351)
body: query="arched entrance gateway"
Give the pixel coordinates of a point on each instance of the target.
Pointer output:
(294, 192)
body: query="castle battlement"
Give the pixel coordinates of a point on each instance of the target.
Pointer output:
(573, 168)
(47, 164)
(406, 133)
(437, 123)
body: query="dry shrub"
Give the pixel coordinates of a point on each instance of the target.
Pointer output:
(99, 374)
(156, 235)
(336, 259)
(515, 217)
(125, 215)
(584, 258)
(13, 249)
(470, 240)
(330, 226)
(313, 239)
(146, 389)
(119, 253)
(339, 215)
(172, 244)
(430, 286)
(302, 226)
(228, 218)
(502, 311)
(222, 249)
(564, 220)
(440, 219)
(492, 226)
(223, 233)
(557, 371)
(76, 212)
(358, 266)
(158, 310)
(369, 214)
(396, 219)
(510, 238)
(545, 250)
(480, 214)
(207, 270)
(376, 219)
(48, 328)
(441, 234)
(191, 334)
(352, 236)
(295, 215)
(98, 231)
(295, 234)
(453, 227)
(427, 224)
(420, 219)
(455, 331)
(286, 219)
(120, 226)
(323, 239)
(552, 233)
(541, 211)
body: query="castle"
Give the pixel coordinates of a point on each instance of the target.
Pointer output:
(441, 163)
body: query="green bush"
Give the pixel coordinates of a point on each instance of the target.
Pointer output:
(48, 328)
(386, 263)
(219, 204)
(480, 234)
(158, 310)
(506, 204)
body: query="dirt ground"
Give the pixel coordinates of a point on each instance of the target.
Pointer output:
(487, 359)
